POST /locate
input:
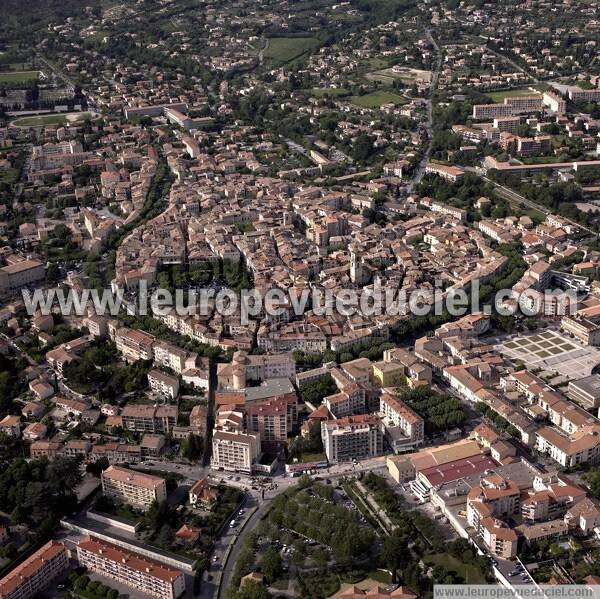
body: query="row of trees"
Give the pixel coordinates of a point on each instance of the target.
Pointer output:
(498, 420)
(304, 511)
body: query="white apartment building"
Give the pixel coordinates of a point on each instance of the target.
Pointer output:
(163, 384)
(173, 357)
(554, 102)
(234, 451)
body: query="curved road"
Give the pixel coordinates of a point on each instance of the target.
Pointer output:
(333, 473)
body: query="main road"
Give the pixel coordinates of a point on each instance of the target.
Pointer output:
(420, 169)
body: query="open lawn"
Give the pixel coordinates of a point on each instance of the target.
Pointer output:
(19, 76)
(511, 93)
(470, 573)
(334, 92)
(49, 119)
(282, 50)
(377, 99)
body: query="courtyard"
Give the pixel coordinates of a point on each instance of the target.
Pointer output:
(553, 352)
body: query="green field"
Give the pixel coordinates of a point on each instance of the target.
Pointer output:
(49, 119)
(19, 76)
(334, 92)
(377, 99)
(470, 573)
(508, 93)
(282, 50)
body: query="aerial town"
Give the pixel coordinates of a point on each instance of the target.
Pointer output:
(293, 150)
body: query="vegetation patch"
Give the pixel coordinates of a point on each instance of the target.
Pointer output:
(282, 50)
(378, 99)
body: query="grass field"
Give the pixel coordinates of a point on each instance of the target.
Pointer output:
(19, 76)
(282, 50)
(508, 93)
(377, 99)
(471, 574)
(49, 119)
(334, 92)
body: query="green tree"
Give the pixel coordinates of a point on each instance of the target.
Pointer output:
(271, 564)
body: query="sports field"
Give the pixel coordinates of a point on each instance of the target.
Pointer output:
(511, 93)
(19, 76)
(50, 119)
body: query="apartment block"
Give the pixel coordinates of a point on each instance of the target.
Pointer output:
(404, 418)
(272, 419)
(507, 123)
(491, 111)
(499, 538)
(163, 384)
(149, 419)
(554, 102)
(495, 498)
(353, 437)
(35, 573)
(146, 576)
(510, 107)
(347, 402)
(527, 146)
(134, 345)
(551, 502)
(234, 451)
(173, 357)
(578, 94)
(134, 488)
